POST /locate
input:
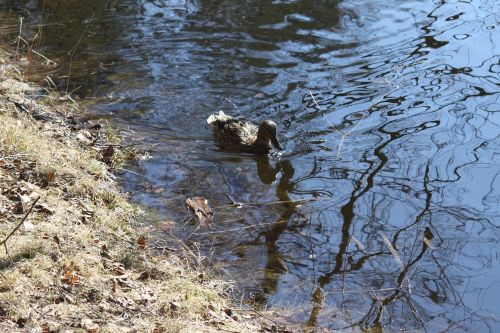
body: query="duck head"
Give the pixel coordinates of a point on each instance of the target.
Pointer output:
(268, 135)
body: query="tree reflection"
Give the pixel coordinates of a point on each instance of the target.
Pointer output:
(416, 182)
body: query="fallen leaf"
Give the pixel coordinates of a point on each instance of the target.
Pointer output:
(144, 276)
(50, 177)
(141, 241)
(107, 154)
(18, 208)
(70, 277)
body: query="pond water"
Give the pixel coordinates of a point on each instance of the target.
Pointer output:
(381, 214)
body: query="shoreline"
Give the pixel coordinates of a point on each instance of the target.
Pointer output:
(71, 260)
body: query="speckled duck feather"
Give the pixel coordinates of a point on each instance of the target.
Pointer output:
(237, 134)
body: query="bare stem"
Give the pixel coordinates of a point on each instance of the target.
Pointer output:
(19, 36)
(20, 223)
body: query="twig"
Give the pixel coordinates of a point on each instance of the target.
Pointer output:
(19, 37)
(233, 202)
(20, 223)
(44, 57)
(393, 251)
(344, 135)
(182, 244)
(239, 228)
(72, 51)
(314, 99)
(382, 305)
(257, 312)
(232, 103)
(258, 203)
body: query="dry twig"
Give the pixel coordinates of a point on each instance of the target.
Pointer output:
(20, 223)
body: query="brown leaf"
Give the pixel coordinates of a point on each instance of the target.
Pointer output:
(105, 252)
(141, 241)
(70, 277)
(21, 322)
(50, 177)
(108, 152)
(18, 208)
(113, 286)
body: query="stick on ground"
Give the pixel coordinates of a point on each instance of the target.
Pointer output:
(20, 223)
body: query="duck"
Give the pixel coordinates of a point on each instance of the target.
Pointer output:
(243, 135)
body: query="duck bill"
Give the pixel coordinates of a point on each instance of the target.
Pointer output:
(276, 143)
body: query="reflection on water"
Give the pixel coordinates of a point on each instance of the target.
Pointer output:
(383, 211)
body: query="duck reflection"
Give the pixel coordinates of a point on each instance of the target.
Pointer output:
(275, 265)
(267, 173)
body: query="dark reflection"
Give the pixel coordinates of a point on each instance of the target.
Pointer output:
(382, 214)
(267, 173)
(275, 265)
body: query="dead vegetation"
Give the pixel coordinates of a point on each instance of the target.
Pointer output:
(69, 259)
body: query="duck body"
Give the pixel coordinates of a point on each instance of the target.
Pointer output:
(243, 135)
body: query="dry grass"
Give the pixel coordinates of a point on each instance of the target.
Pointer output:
(76, 264)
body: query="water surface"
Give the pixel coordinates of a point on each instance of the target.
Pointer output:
(382, 213)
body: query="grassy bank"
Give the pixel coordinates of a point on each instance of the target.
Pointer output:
(70, 260)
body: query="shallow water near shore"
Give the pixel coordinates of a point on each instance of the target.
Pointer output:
(381, 214)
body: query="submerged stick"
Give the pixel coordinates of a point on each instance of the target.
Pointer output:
(344, 135)
(268, 203)
(393, 251)
(19, 36)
